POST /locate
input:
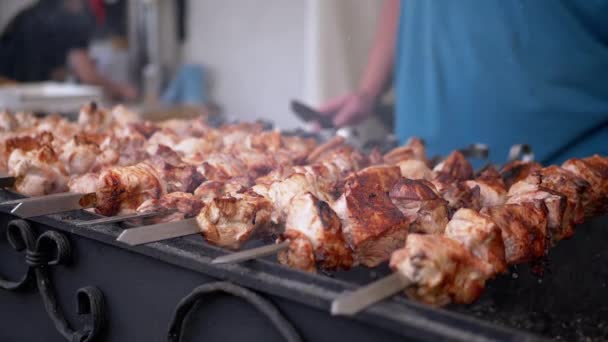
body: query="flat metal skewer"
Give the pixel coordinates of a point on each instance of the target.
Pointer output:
(43, 198)
(158, 232)
(52, 204)
(351, 303)
(249, 254)
(121, 218)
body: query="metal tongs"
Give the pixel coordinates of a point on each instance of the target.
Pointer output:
(329, 130)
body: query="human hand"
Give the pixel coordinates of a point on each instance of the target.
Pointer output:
(349, 109)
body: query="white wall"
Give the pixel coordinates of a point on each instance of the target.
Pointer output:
(255, 52)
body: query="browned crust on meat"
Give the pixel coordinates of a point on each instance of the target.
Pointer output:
(524, 230)
(414, 189)
(457, 166)
(517, 170)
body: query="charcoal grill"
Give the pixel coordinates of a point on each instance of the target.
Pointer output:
(101, 290)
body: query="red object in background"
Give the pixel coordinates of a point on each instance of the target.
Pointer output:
(99, 11)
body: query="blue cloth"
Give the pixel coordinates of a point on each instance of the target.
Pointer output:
(502, 72)
(187, 87)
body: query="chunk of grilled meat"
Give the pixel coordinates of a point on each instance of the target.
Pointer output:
(420, 203)
(179, 177)
(415, 169)
(457, 193)
(442, 270)
(315, 235)
(456, 166)
(37, 171)
(80, 155)
(222, 166)
(492, 189)
(210, 189)
(517, 170)
(319, 179)
(413, 150)
(560, 181)
(373, 226)
(181, 204)
(559, 213)
(595, 171)
(480, 235)
(232, 220)
(122, 189)
(320, 152)
(523, 228)
(84, 184)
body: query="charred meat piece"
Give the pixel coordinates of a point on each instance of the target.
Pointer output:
(372, 224)
(523, 228)
(517, 170)
(121, 190)
(382, 177)
(232, 220)
(559, 214)
(595, 171)
(315, 234)
(180, 177)
(420, 203)
(442, 270)
(457, 193)
(413, 150)
(564, 182)
(480, 235)
(222, 167)
(456, 166)
(492, 189)
(209, 190)
(182, 204)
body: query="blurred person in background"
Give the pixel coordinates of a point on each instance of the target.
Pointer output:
(48, 41)
(493, 71)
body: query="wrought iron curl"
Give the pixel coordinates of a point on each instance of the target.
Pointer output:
(187, 304)
(22, 238)
(51, 249)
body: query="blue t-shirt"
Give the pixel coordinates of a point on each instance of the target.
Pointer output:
(502, 72)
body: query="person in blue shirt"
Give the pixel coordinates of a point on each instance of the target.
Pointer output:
(498, 72)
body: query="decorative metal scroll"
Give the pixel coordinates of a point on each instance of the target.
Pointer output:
(187, 304)
(41, 253)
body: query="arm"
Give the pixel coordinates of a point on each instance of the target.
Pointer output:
(356, 106)
(382, 54)
(87, 72)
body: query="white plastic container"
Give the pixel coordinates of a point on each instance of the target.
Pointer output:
(48, 97)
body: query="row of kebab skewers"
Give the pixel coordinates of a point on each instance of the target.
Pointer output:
(445, 229)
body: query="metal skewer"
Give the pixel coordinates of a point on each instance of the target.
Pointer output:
(52, 204)
(249, 254)
(351, 303)
(121, 218)
(158, 232)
